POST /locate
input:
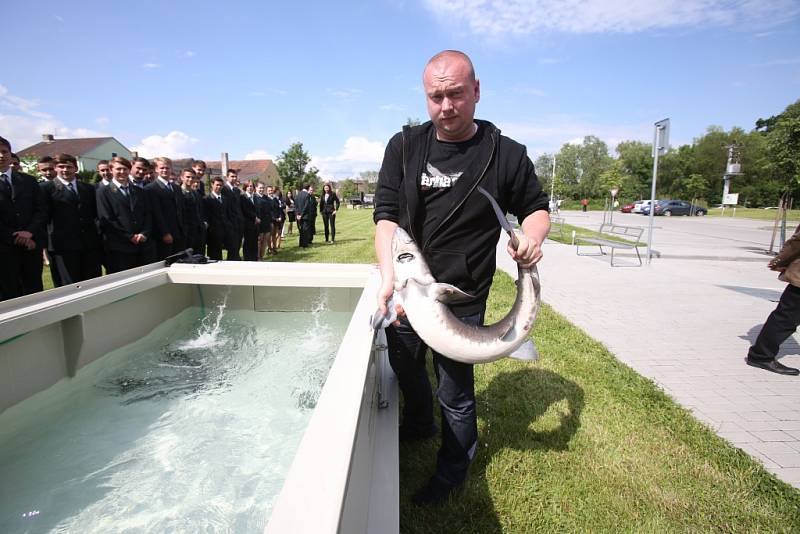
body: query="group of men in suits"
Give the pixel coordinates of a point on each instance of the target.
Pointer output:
(133, 216)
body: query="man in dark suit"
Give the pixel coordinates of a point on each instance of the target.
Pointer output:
(46, 167)
(233, 213)
(302, 205)
(265, 213)
(125, 220)
(252, 221)
(166, 201)
(199, 168)
(217, 224)
(74, 244)
(311, 215)
(23, 217)
(192, 207)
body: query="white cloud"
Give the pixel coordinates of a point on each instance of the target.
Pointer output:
(548, 134)
(102, 121)
(175, 144)
(18, 104)
(24, 131)
(259, 154)
(549, 61)
(345, 93)
(23, 123)
(359, 154)
(504, 18)
(267, 92)
(189, 54)
(529, 91)
(151, 66)
(779, 62)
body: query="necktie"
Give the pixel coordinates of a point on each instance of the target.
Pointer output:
(5, 185)
(71, 187)
(124, 189)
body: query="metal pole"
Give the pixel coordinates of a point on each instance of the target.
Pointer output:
(553, 185)
(656, 150)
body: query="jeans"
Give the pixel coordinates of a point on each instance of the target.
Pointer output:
(455, 392)
(780, 324)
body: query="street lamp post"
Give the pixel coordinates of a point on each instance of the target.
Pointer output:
(614, 191)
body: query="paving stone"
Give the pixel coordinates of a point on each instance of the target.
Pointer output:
(694, 348)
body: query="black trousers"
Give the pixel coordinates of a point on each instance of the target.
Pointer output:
(20, 272)
(780, 324)
(250, 247)
(233, 244)
(456, 395)
(75, 266)
(117, 261)
(163, 250)
(306, 228)
(329, 219)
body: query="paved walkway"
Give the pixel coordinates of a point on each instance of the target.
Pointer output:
(686, 321)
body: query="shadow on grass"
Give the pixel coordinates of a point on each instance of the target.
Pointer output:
(522, 410)
(534, 409)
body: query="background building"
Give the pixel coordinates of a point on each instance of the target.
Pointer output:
(88, 151)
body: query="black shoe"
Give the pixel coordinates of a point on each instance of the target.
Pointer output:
(773, 365)
(415, 434)
(434, 493)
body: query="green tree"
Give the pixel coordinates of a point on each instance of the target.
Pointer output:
(568, 170)
(595, 160)
(782, 133)
(636, 159)
(544, 171)
(294, 170)
(693, 187)
(348, 188)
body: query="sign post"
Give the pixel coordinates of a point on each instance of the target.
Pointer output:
(660, 146)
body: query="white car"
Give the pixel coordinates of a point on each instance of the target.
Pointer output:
(640, 208)
(637, 206)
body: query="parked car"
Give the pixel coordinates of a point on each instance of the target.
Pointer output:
(677, 207)
(644, 208)
(637, 206)
(627, 208)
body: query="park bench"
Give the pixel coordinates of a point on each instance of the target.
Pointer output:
(556, 226)
(630, 234)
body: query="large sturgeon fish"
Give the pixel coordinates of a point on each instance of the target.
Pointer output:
(425, 303)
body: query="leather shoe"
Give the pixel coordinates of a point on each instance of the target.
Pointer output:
(409, 434)
(434, 493)
(773, 365)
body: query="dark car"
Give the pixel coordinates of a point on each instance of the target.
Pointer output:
(668, 208)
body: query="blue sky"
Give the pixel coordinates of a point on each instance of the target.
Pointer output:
(249, 78)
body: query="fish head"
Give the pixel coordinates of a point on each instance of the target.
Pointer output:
(408, 260)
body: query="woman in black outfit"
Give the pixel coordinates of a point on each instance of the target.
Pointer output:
(328, 204)
(290, 209)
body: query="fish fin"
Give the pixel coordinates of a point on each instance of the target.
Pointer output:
(380, 321)
(527, 352)
(448, 294)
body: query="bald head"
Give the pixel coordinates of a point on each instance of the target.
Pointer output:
(451, 92)
(448, 56)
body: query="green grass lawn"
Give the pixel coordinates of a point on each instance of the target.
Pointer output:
(576, 442)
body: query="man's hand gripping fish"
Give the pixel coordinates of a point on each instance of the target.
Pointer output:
(425, 303)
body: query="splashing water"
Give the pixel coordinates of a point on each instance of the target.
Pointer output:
(207, 335)
(191, 428)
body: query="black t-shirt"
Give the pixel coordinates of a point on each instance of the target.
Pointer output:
(445, 164)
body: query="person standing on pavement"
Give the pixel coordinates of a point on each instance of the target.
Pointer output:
(427, 186)
(785, 318)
